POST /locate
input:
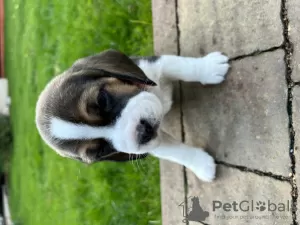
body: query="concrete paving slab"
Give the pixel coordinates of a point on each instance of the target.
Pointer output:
(164, 27)
(246, 189)
(172, 191)
(171, 174)
(172, 177)
(293, 7)
(235, 27)
(243, 121)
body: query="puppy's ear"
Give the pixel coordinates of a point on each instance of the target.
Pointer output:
(123, 157)
(111, 63)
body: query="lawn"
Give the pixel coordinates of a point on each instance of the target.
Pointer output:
(42, 39)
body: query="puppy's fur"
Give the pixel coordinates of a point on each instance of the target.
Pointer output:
(109, 107)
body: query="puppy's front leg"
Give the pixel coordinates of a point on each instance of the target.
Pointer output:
(195, 159)
(210, 69)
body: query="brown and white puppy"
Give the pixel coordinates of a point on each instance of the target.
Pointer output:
(110, 107)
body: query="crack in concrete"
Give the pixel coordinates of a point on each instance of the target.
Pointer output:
(297, 83)
(288, 49)
(255, 171)
(185, 179)
(255, 53)
(177, 27)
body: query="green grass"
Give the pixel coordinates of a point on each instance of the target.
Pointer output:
(42, 39)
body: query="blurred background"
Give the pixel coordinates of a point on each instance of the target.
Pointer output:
(40, 39)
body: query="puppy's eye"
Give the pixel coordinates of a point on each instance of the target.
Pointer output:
(104, 100)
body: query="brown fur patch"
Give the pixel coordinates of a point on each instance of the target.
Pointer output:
(117, 87)
(88, 98)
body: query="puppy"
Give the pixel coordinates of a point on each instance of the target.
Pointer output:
(110, 107)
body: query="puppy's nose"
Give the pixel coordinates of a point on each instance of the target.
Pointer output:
(146, 132)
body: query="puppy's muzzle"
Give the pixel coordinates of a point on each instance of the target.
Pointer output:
(136, 131)
(146, 131)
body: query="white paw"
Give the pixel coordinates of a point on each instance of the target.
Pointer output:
(204, 167)
(212, 68)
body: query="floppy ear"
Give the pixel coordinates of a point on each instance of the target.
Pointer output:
(123, 157)
(111, 63)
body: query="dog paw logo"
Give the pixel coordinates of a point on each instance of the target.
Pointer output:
(261, 206)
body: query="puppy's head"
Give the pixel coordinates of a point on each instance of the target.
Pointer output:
(100, 109)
